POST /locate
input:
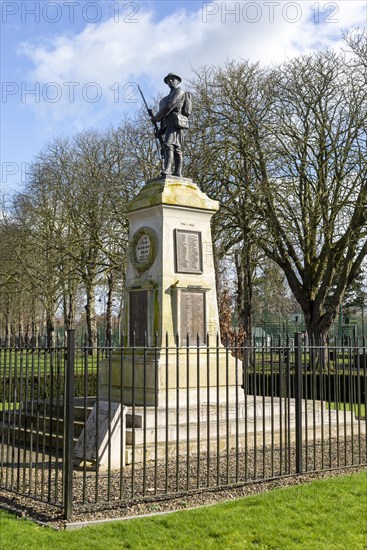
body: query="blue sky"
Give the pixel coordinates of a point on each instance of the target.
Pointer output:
(70, 65)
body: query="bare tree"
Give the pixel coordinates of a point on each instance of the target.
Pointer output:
(223, 161)
(314, 181)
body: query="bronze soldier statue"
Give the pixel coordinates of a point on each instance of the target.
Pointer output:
(173, 113)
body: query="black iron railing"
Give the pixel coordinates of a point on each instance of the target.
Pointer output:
(83, 428)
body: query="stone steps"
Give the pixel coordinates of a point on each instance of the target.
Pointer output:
(248, 441)
(40, 424)
(273, 419)
(150, 417)
(195, 429)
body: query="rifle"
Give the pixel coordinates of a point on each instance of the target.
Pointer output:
(158, 138)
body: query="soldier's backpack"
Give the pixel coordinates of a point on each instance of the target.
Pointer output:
(187, 106)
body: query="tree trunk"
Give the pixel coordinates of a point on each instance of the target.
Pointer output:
(317, 331)
(21, 330)
(110, 284)
(69, 309)
(91, 319)
(7, 331)
(50, 329)
(244, 293)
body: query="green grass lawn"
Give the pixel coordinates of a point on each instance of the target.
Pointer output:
(325, 514)
(39, 361)
(8, 406)
(358, 408)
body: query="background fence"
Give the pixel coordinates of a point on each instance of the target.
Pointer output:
(185, 419)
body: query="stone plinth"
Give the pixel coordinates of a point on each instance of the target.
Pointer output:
(158, 377)
(170, 294)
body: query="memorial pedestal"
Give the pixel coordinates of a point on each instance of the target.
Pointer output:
(170, 294)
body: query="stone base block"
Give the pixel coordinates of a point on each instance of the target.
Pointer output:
(159, 378)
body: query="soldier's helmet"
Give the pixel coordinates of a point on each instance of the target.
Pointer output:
(172, 75)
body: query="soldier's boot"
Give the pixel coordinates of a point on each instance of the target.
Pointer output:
(178, 163)
(168, 161)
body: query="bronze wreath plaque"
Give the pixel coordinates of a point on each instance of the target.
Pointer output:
(143, 249)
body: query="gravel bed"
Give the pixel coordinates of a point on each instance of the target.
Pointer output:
(184, 482)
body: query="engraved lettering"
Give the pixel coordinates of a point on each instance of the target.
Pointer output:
(192, 317)
(143, 248)
(188, 251)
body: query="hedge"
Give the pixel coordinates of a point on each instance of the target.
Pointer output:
(329, 387)
(43, 387)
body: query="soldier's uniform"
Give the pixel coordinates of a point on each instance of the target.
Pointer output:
(172, 126)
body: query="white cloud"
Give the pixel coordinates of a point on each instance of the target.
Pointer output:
(110, 52)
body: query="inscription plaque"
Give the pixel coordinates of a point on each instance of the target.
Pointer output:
(143, 247)
(192, 316)
(188, 251)
(138, 316)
